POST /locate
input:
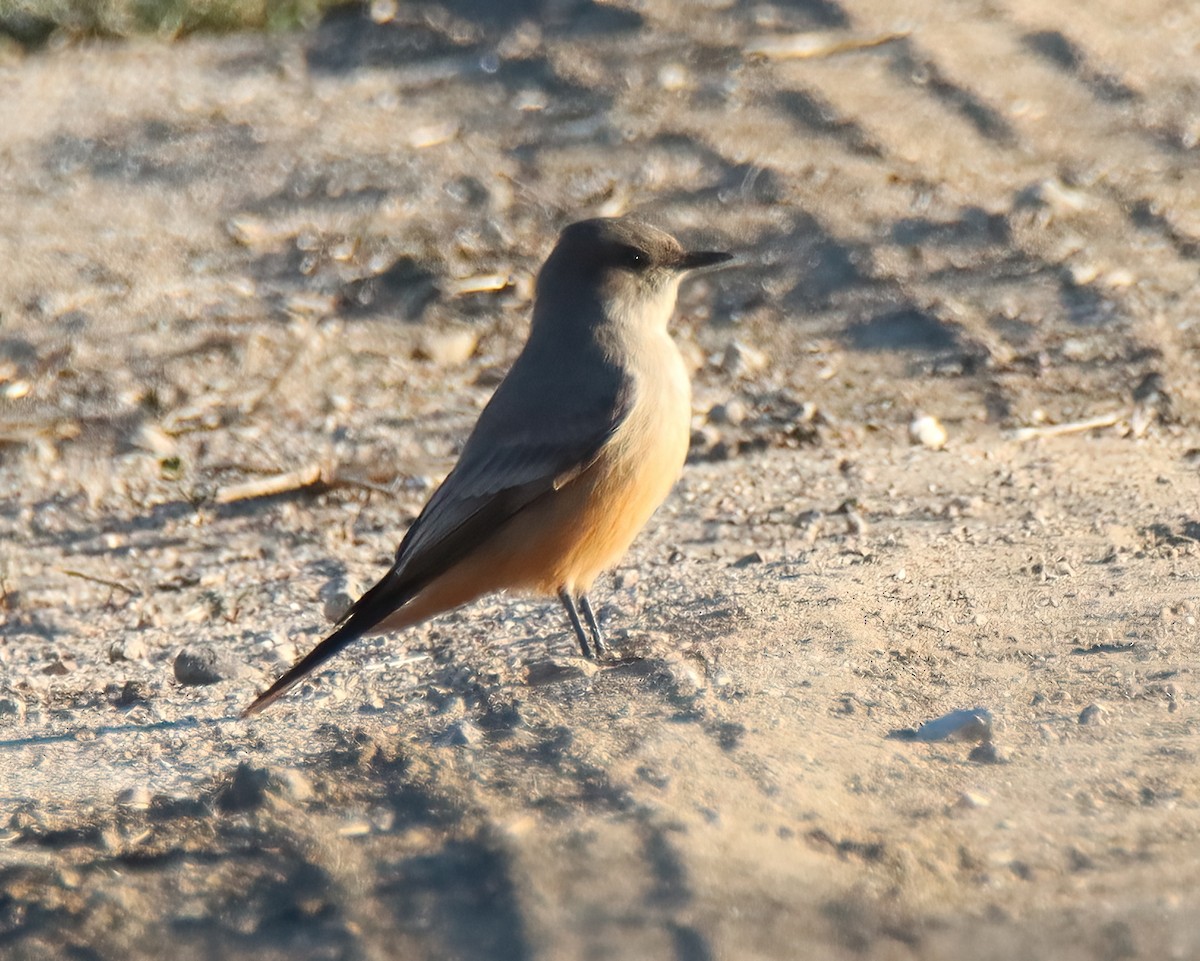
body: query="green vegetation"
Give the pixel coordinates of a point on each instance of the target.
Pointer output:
(32, 22)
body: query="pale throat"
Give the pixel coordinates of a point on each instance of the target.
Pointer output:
(643, 308)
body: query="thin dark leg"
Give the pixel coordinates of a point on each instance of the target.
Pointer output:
(574, 616)
(597, 635)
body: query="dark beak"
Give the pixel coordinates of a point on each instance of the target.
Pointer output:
(700, 259)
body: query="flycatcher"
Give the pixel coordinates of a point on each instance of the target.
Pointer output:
(578, 446)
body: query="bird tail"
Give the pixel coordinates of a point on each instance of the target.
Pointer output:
(375, 605)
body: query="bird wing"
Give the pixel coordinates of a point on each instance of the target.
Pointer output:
(547, 423)
(512, 458)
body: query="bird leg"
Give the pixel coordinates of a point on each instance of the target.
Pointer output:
(573, 614)
(594, 625)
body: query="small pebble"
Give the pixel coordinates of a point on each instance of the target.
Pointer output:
(626, 579)
(129, 694)
(460, 734)
(673, 77)
(684, 676)
(12, 709)
(555, 670)
(335, 600)
(246, 790)
(985, 753)
(1081, 274)
(1093, 715)
(137, 798)
(62, 664)
(291, 784)
(448, 348)
(200, 664)
(733, 412)
(131, 648)
(740, 359)
(927, 431)
(967, 725)
(383, 11)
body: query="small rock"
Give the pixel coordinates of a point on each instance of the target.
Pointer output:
(985, 753)
(291, 784)
(1094, 714)
(137, 798)
(740, 359)
(382, 818)
(626, 579)
(1055, 195)
(246, 791)
(68, 878)
(129, 694)
(450, 706)
(746, 560)
(10, 598)
(705, 438)
(335, 600)
(682, 675)
(62, 664)
(281, 653)
(972, 800)
(383, 11)
(131, 648)
(447, 348)
(967, 725)
(248, 231)
(855, 523)
(555, 670)
(460, 734)
(12, 709)
(733, 412)
(1080, 274)
(927, 431)
(200, 664)
(673, 77)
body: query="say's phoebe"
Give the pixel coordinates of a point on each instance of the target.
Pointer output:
(576, 449)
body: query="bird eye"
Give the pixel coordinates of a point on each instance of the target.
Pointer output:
(634, 259)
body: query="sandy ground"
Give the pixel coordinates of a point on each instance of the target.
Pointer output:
(227, 260)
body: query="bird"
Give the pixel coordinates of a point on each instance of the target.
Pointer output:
(579, 444)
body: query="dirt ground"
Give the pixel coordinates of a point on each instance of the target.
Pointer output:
(309, 256)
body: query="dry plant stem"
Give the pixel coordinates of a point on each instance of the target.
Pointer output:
(315, 475)
(1071, 427)
(295, 480)
(131, 591)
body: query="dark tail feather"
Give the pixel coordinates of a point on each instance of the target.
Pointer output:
(380, 601)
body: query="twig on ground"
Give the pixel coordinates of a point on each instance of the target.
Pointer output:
(295, 480)
(1071, 427)
(117, 585)
(324, 476)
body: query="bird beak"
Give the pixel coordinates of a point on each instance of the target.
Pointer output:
(700, 259)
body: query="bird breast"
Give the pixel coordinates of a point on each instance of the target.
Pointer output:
(638, 467)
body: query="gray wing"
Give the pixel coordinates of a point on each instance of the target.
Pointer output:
(547, 422)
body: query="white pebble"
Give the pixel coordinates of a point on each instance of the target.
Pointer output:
(927, 431)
